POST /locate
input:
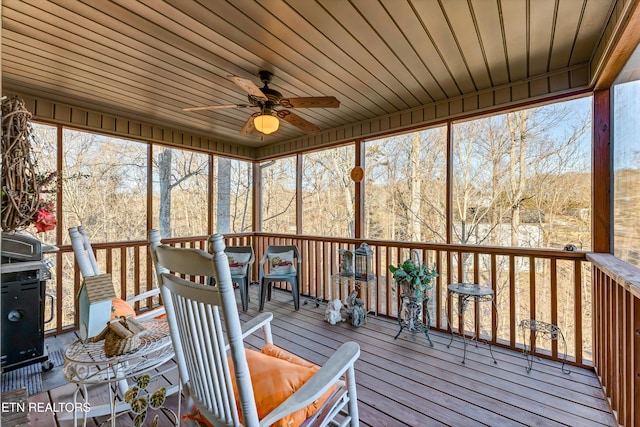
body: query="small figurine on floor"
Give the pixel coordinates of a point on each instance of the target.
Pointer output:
(356, 307)
(333, 313)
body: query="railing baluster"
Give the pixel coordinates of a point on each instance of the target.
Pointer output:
(390, 301)
(577, 286)
(136, 272)
(438, 292)
(554, 303)
(512, 301)
(532, 288)
(633, 363)
(494, 286)
(320, 269)
(108, 260)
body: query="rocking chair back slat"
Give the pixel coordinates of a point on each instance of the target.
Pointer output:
(198, 311)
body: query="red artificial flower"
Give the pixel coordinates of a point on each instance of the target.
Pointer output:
(45, 220)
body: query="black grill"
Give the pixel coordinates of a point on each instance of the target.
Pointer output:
(23, 283)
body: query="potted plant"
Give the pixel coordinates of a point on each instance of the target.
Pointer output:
(414, 278)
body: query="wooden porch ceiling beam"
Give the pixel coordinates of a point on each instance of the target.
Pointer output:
(627, 42)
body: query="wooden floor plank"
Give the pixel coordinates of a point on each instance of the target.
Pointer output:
(65, 394)
(38, 417)
(485, 375)
(15, 408)
(405, 382)
(395, 370)
(569, 408)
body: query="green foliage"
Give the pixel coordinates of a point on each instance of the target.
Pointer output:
(141, 399)
(418, 276)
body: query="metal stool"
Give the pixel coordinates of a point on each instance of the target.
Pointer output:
(545, 330)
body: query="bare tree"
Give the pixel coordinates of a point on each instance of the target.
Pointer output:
(328, 192)
(223, 206)
(176, 168)
(279, 195)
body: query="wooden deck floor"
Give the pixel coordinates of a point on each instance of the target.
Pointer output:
(406, 382)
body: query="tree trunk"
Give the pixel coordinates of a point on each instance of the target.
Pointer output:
(164, 176)
(517, 169)
(414, 189)
(223, 205)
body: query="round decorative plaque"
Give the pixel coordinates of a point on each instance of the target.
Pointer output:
(357, 174)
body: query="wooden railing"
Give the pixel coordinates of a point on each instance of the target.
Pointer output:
(131, 268)
(547, 285)
(616, 314)
(127, 262)
(552, 286)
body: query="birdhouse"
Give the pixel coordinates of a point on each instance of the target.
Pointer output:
(94, 301)
(363, 256)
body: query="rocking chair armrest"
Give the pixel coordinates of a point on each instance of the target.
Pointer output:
(144, 295)
(262, 320)
(334, 368)
(150, 314)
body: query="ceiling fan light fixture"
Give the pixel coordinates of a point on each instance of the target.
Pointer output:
(266, 123)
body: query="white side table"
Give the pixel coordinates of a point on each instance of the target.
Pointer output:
(86, 363)
(467, 292)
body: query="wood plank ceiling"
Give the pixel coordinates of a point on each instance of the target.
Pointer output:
(148, 59)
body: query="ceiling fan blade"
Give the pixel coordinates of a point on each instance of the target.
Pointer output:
(248, 86)
(298, 121)
(216, 107)
(249, 127)
(311, 102)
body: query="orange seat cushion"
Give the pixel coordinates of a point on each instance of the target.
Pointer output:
(120, 307)
(275, 375)
(275, 351)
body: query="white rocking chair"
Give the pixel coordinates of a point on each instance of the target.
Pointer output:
(208, 354)
(88, 265)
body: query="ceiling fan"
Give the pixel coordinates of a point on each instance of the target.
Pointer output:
(272, 105)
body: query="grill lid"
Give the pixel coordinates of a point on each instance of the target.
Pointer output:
(20, 248)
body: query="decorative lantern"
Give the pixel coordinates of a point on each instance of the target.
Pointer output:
(346, 262)
(363, 268)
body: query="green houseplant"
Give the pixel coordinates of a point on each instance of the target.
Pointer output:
(414, 278)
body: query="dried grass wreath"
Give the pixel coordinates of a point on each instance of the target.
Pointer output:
(22, 186)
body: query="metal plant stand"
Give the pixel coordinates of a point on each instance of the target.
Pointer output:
(410, 316)
(543, 330)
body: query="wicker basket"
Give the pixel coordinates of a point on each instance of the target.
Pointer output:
(122, 335)
(116, 346)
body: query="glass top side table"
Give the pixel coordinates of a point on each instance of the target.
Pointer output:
(86, 363)
(467, 292)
